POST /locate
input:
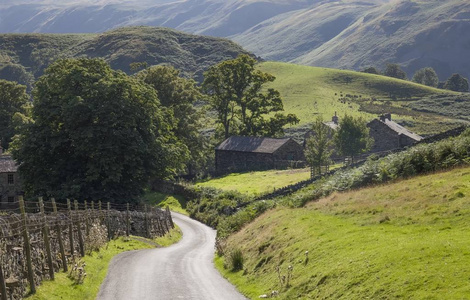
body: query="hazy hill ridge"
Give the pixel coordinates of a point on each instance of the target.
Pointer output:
(24, 56)
(333, 33)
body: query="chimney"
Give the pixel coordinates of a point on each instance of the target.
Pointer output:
(382, 118)
(335, 119)
(388, 116)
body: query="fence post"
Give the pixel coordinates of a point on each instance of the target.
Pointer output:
(93, 212)
(108, 221)
(169, 216)
(47, 243)
(69, 208)
(3, 287)
(27, 247)
(87, 218)
(146, 221)
(128, 221)
(150, 222)
(59, 236)
(80, 236)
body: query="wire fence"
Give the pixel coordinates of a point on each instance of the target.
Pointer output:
(40, 238)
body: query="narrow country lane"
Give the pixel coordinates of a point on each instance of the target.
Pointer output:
(182, 271)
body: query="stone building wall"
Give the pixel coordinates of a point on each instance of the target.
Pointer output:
(9, 191)
(289, 151)
(233, 161)
(384, 137)
(288, 155)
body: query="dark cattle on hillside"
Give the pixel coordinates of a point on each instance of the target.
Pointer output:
(243, 153)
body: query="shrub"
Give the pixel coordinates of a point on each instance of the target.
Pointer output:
(236, 260)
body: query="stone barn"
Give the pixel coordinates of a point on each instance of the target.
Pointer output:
(389, 135)
(10, 184)
(244, 153)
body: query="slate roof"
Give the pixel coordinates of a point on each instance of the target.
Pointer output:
(7, 164)
(252, 144)
(401, 130)
(332, 125)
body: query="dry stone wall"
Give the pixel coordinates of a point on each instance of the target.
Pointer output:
(35, 245)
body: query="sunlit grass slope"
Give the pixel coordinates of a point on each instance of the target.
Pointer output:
(406, 240)
(309, 91)
(257, 182)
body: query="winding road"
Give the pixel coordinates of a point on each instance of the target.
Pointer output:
(182, 271)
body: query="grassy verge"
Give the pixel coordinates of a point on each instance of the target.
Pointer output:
(96, 268)
(405, 240)
(175, 202)
(255, 183)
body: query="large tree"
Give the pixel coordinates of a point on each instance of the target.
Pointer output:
(318, 146)
(457, 83)
(426, 76)
(237, 94)
(178, 95)
(394, 70)
(13, 100)
(352, 137)
(97, 134)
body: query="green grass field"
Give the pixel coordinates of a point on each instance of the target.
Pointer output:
(174, 202)
(96, 268)
(257, 182)
(406, 240)
(310, 91)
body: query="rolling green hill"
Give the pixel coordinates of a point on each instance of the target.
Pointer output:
(28, 54)
(310, 91)
(405, 240)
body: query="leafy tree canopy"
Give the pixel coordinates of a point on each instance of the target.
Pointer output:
(352, 137)
(318, 146)
(178, 95)
(98, 134)
(426, 76)
(242, 105)
(13, 100)
(394, 70)
(371, 70)
(457, 83)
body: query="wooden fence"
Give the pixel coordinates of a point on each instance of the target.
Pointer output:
(40, 238)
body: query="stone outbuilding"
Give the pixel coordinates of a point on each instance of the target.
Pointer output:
(389, 135)
(244, 153)
(10, 184)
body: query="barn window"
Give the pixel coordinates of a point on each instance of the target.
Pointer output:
(11, 199)
(11, 179)
(290, 156)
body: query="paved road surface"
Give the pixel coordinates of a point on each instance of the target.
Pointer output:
(182, 271)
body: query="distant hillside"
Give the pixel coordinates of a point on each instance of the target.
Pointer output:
(24, 56)
(416, 34)
(349, 34)
(312, 91)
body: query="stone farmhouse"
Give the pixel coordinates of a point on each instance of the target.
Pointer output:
(332, 126)
(10, 184)
(389, 135)
(244, 153)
